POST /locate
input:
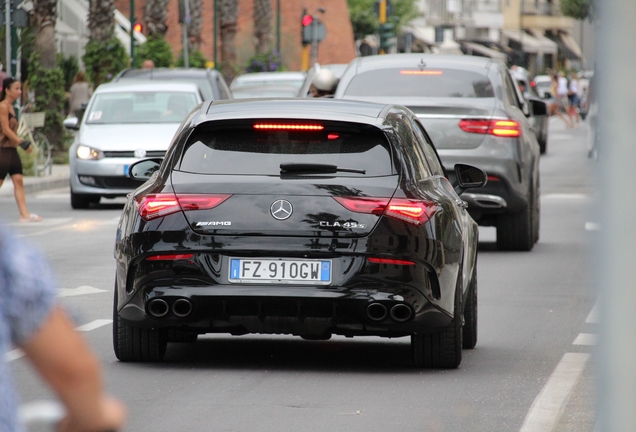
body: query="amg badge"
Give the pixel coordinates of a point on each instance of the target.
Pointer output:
(214, 223)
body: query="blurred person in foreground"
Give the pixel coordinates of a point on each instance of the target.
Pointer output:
(31, 320)
(10, 162)
(323, 84)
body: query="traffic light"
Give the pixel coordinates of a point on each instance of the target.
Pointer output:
(387, 32)
(138, 28)
(307, 28)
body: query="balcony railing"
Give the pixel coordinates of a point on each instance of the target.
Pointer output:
(540, 7)
(487, 6)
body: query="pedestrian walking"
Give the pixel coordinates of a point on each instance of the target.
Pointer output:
(10, 162)
(562, 91)
(79, 93)
(554, 106)
(31, 319)
(574, 100)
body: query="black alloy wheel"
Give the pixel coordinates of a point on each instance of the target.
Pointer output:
(132, 344)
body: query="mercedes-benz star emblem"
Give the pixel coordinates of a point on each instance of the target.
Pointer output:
(140, 153)
(281, 209)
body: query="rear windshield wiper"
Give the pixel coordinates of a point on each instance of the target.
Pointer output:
(310, 168)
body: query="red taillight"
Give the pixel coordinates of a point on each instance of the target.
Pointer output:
(493, 178)
(533, 84)
(413, 211)
(172, 257)
(501, 128)
(374, 206)
(157, 205)
(390, 261)
(279, 126)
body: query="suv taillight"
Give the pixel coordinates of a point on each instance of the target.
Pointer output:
(501, 128)
(417, 212)
(157, 205)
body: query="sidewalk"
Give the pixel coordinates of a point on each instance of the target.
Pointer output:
(59, 178)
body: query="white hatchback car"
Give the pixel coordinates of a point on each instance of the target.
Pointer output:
(124, 122)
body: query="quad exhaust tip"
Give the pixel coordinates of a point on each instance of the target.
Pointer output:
(158, 308)
(376, 311)
(182, 308)
(401, 312)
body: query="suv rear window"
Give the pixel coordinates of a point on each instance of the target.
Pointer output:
(246, 150)
(421, 83)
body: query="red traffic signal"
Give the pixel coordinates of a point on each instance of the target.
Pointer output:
(307, 20)
(138, 28)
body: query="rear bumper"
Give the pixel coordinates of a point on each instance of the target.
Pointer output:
(303, 311)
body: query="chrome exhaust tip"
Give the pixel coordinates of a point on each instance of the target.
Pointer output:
(158, 308)
(182, 308)
(376, 311)
(401, 312)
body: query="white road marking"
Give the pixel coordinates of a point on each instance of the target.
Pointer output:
(565, 196)
(588, 339)
(592, 226)
(546, 408)
(81, 290)
(94, 325)
(594, 316)
(17, 353)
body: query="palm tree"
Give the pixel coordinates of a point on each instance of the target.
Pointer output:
(101, 20)
(228, 17)
(104, 55)
(46, 78)
(263, 25)
(196, 24)
(155, 14)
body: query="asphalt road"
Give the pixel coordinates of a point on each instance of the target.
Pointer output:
(532, 369)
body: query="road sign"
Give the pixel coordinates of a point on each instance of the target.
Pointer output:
(19, 18)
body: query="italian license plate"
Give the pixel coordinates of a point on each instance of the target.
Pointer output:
(280, 271)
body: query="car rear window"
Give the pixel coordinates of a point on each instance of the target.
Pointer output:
(246, 150)
(421, 83)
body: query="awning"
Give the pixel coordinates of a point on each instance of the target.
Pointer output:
(571, 44)
(530, 43)
(485, 51)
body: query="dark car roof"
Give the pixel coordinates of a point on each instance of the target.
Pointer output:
(293, 108)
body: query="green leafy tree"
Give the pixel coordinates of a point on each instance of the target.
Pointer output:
(70, 67)
(103, 60)
(157, 49)
(365, 21)
(578, 9)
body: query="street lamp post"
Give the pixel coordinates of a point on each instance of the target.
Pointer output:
(133, 20)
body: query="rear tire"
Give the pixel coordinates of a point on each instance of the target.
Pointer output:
(442, 349)
(518, 231)
(469, 331)
(132, 344)
(82, 201)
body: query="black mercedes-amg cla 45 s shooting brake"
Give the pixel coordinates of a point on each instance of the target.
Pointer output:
(301, 217)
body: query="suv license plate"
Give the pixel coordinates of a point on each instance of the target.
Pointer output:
(280, 271)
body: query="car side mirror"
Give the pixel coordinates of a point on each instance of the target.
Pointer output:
(538, 108)
(144, 169)
(72, 123)
(469, 177)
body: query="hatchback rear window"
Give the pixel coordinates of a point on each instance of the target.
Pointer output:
(421, 83)
(248, 150)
